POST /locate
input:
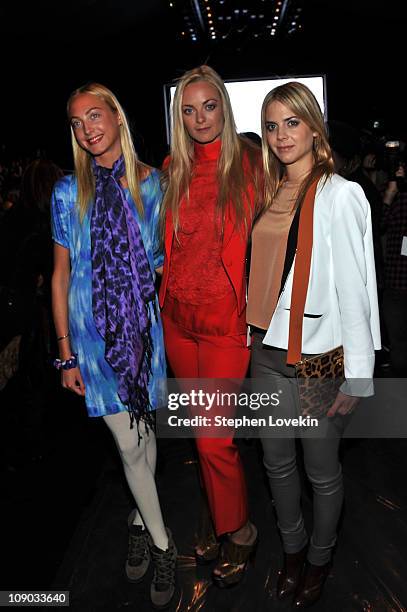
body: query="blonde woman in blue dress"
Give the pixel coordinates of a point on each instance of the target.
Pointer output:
(106, 314)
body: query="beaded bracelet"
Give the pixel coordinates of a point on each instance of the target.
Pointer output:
(67, 364)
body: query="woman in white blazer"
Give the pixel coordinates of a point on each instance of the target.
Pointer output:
(340, 310)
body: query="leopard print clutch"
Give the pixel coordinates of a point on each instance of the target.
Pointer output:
(319, 378)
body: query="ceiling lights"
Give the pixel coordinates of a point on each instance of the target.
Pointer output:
(211, 20)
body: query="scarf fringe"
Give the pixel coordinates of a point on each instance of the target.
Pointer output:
(148, 418)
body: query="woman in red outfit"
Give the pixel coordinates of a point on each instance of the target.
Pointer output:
(208, 211)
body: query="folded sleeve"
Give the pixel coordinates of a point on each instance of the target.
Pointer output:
(156, 242)
(60, 212)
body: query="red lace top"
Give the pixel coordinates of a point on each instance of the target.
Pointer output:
(197, 275)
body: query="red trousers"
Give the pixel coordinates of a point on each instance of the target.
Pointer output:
(193, 355)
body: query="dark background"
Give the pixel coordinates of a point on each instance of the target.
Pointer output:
(135, 46)
(63, 510)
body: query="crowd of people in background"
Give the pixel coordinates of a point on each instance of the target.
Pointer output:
(26, 334)
(378, 165)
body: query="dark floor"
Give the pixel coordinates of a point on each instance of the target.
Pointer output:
(64, 511)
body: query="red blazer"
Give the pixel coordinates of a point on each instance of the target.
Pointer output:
(233, 253)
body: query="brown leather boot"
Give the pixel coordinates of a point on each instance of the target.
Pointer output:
(311, 584)
(289, 576)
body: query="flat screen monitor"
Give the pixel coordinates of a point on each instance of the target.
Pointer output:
(247, 95)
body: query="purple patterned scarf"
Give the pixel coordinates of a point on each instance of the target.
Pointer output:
(122, 286)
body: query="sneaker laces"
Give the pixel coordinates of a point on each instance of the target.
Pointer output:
(138, 545)
(164, 567)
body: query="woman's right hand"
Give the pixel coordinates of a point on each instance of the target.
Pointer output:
(72, 380)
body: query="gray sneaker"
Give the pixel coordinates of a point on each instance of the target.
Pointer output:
(163, 585)
(138, 558)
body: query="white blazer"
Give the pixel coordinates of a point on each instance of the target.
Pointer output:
(341, 306)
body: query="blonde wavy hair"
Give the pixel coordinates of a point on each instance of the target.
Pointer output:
(303, 104)
(232, 181)
(83, 159)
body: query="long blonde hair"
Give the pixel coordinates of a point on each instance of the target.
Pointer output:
(83, 159)
(304, 105)
(232, 180)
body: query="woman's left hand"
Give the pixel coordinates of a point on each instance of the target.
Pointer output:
(343, 404)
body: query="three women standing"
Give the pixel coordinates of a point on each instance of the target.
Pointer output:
(109, 332)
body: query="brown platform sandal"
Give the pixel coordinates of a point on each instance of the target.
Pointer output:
(234, 561)
(206, 539)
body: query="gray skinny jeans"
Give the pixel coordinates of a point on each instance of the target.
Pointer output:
(320, 459)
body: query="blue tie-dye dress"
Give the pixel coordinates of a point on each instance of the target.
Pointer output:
(67, 230)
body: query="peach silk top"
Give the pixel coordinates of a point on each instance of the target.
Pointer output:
(269, 246)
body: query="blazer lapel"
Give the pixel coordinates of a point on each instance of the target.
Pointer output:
(169, 231)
